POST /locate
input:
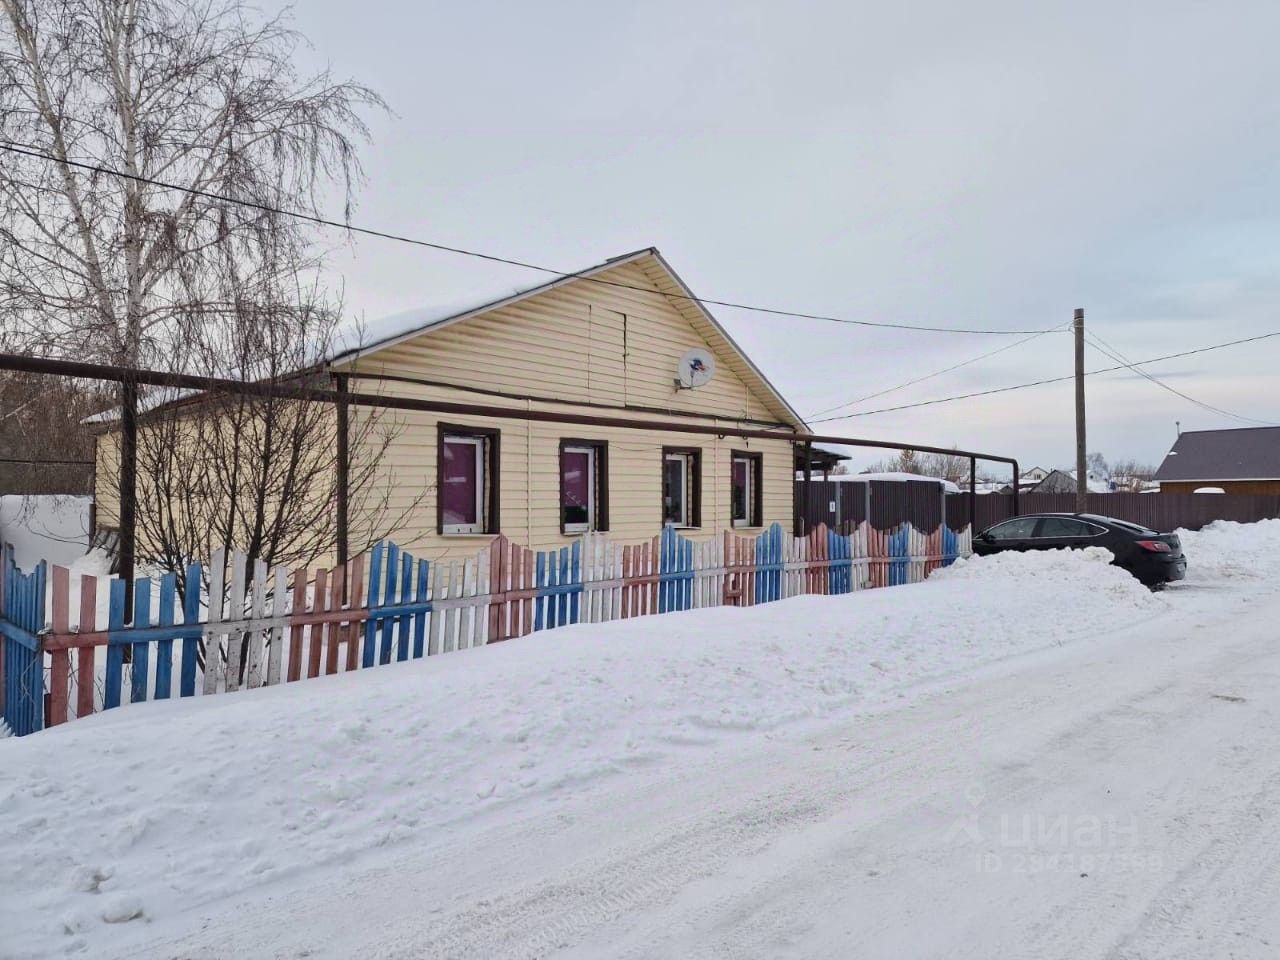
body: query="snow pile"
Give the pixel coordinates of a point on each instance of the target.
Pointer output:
(1229, 551)
(129, 816)
(53, 528)
(1043, 570)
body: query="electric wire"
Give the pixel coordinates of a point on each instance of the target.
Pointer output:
(937, 373)
(1038, 383)
(1107, 350)
(493, 258)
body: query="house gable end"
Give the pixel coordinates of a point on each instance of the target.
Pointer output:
(612, 336)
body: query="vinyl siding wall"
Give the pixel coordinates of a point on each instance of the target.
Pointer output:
(584, 342)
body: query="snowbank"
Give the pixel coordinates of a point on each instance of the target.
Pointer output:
(53, 528)
(134, 813)
(1226, 551)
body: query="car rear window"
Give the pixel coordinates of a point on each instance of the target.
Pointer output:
(1134, 528)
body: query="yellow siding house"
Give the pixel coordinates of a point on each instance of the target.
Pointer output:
(606, 342)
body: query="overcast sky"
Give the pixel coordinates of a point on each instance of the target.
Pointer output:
(981, 164)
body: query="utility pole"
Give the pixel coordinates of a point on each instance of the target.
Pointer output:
(1082, 478)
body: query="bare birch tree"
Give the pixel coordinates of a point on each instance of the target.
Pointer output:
(944, 466)
(201, 95)
(260, 473)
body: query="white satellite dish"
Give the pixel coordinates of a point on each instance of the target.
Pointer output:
(695, 369)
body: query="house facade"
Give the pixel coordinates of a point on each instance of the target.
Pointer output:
(1238, 460)
(607, 342)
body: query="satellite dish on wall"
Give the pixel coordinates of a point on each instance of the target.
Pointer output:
(695, 369)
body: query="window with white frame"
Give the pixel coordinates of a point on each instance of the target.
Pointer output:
(681, 487)
(467, 481)
(745, 500)
(583, 486)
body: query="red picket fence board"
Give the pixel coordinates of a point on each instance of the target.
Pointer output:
(85, 655)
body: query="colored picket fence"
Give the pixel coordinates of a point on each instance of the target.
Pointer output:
(234, 624)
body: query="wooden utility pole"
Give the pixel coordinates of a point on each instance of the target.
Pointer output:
(1082, 477)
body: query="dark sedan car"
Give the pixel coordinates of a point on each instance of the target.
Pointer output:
(1154, 558)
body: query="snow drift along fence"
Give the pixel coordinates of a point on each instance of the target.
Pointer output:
(233, 624)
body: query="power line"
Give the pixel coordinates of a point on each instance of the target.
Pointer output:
(493, 258)
(1107, 350)
(1038, 383)
(936, 373)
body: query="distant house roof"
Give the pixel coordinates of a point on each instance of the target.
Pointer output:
(1242, 453)
(1064, 481)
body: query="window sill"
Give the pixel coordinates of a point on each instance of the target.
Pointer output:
(467, 536)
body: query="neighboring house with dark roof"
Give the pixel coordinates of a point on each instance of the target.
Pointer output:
(1239, 460)
(1064, 481)
(612, 340)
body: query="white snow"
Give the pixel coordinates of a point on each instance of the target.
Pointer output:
(890, 476)
(656, 787)
(53, 528)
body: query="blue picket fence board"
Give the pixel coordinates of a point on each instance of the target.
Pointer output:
(558, 580)
(23, 661)
(190, 615)
(950, 546)
(141, 651)
(115, 651)
(675, 571)
(420, 619)
(899, 554)
(840, 563)
(389, 599)
(769, 565)
(371, 625)
(164, 647)
(562, 579)
(539, 582)
(406, 591)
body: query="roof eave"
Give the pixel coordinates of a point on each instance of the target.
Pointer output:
(348, 357)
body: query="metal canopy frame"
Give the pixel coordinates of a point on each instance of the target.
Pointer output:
(344, 398)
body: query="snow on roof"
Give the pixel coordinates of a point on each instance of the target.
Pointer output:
(386, 330)
(146, 402)
(358, 338)
(891, 477)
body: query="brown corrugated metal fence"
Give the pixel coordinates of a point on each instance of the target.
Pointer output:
(1159, 511)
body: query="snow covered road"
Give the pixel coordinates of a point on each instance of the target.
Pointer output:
(1104, 800)
(1117, 795)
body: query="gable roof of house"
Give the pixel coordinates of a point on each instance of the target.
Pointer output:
(397, 328)
(1240, 453)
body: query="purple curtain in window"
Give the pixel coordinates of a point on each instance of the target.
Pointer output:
(458, 497)
(672, 484)
(738, 491)
(575, 486)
